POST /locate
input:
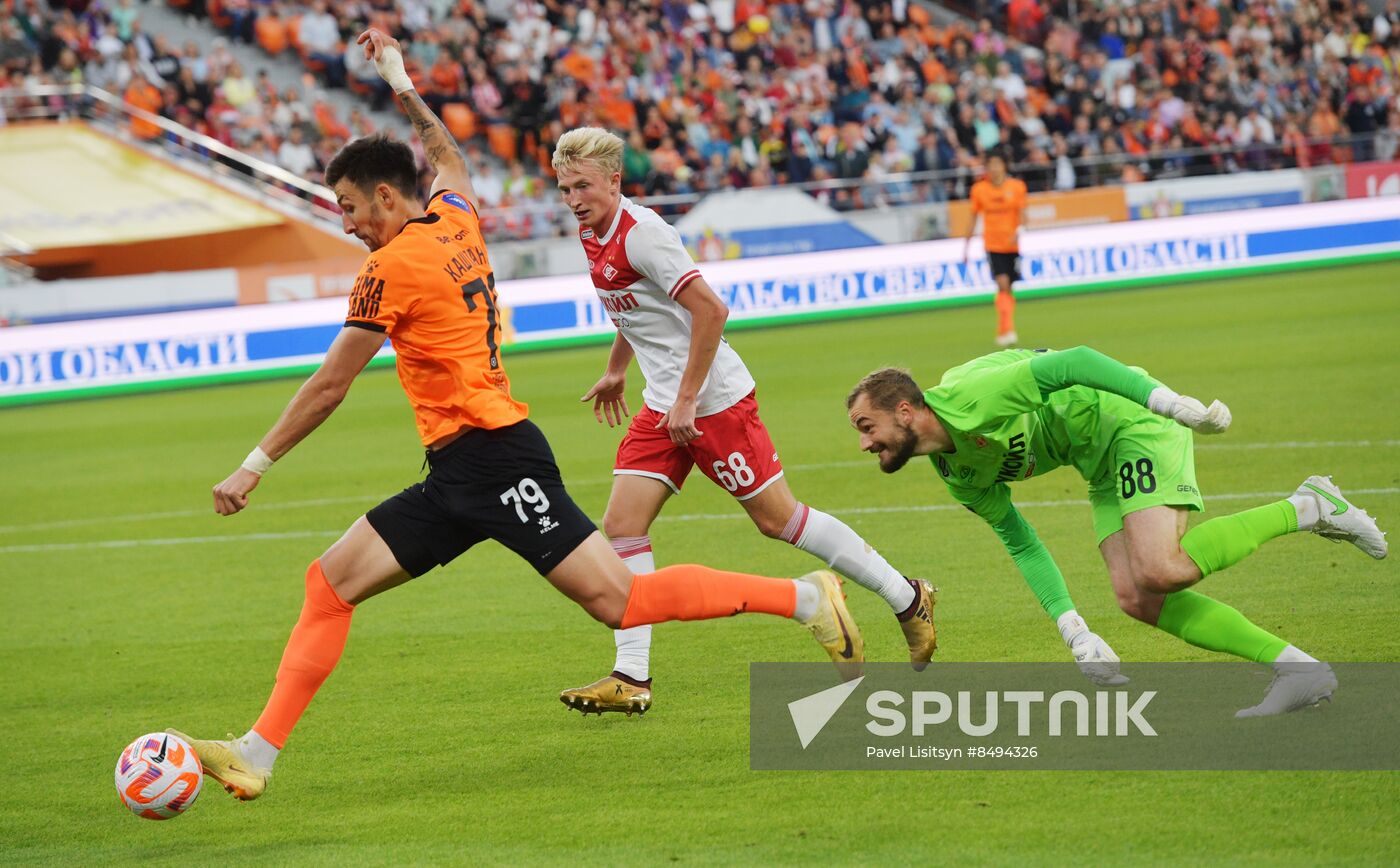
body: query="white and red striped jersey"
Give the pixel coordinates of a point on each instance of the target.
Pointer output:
(639, 267)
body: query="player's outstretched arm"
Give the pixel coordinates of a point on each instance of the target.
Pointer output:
(1091, 653)
(609, 394)
(439, 146)
(310, 406)
(1085, 366)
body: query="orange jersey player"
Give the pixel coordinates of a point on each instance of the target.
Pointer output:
(432, 291)
(1001, 201)
(428, 286)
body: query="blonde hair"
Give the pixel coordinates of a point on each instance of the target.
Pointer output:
(588, 145)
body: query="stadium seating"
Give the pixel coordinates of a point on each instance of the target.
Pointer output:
(818, 90)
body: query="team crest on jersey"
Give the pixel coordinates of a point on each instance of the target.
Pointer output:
(586, 234)
(608, 271)
(457, 202)
(981, 442)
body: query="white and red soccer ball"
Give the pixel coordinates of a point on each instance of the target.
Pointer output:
(158, 776)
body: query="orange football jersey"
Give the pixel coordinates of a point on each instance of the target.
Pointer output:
(431, 290)
(1000, 208)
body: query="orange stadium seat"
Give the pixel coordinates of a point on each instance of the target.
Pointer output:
(500, 138)
(459, 120)
(271, 33)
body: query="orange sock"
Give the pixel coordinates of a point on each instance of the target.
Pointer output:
(688, 592)
(312, 652)
(1006, 313)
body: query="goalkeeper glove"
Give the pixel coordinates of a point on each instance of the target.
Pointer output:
(1091, 653)
(1188, 411)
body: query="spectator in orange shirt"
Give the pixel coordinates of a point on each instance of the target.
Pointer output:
(143, 95)
(1001, 201)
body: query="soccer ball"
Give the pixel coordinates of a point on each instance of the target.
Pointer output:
(158, 776)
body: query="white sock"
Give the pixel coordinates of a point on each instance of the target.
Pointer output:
(808, 599)
(844, 551)
(258, 750)
(1292, 654)
(1308, 512)
(634, 644)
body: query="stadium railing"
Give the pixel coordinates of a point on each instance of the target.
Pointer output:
(268, 183)
(920, 188)
(548, 218)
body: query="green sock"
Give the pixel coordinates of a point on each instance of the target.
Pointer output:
(1225, 541)
(1214, 626)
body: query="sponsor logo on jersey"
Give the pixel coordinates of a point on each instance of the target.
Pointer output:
(586, 234)
(364, 300)
(1015, 459)
(457, 202)
(619, 303)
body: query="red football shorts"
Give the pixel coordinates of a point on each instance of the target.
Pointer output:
(733, 449)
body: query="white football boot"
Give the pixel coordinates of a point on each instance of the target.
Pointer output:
(1295, 686)
(1340, 520)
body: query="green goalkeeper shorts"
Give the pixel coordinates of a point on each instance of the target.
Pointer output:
(1151, 463)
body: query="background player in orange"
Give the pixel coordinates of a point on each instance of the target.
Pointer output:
(1001, 201)
(428, 286)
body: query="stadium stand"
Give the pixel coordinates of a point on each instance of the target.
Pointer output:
(877, 103)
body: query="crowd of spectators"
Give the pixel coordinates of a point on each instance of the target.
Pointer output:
(200, 86)
(745, 93)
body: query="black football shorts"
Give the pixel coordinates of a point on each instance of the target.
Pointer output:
(1005, 263)
(499, 484)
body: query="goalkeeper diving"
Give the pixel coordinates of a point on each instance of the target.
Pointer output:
(1015, 414)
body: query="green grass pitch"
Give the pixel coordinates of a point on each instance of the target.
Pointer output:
(129, 606)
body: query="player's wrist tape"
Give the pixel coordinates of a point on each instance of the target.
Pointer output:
(1071, 626)
(1162, 400)
(257, 461)
(390, 66)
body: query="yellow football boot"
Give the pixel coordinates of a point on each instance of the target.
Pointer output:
(610, 694)
(918, 627)
(833, 627)
(223, 762)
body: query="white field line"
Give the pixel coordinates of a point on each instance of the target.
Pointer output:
(61, 524)
(1200, 447)
(732, 515)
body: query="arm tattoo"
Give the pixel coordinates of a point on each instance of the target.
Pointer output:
(438, 144)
